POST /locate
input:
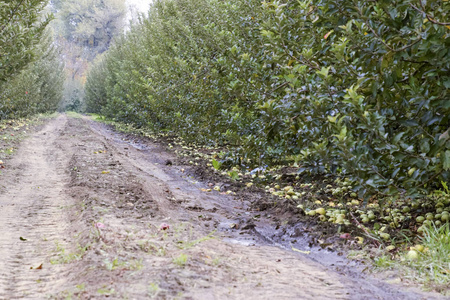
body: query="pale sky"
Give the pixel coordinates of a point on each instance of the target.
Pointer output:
(136, 6)
(141, 5)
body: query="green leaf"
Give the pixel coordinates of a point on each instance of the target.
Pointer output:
(445, 136)
(216, 164)
(398, 137)
(323, 72)
(332, 119)
(387, 61)
(424, 146)
(343, 133)
(446, 160)
(234, 175)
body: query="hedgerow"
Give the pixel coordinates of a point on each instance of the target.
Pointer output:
(355, 89)
(22, 25)
(38, 87)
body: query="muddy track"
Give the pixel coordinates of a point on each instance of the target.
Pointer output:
(84, 215)
(31, 218)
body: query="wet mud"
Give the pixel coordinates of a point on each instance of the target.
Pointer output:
(88, 213)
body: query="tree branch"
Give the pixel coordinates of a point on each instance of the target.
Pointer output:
(427, 15)
(12, 15)
(382, 41)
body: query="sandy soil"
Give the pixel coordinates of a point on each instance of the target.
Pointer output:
(85, 214)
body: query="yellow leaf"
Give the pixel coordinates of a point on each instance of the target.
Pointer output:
(105, 172)
(332, 119)
(328, 34)
(360, 239)
(297, 250)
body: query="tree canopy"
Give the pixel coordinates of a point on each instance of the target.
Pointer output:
(31, 71)
(21, 28)
(354, 89)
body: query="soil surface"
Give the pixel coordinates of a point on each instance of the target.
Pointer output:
(86, 213)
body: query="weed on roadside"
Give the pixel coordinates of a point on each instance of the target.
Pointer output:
(12, 132)
(432, 265)
(73, 114)
(106, 292)
(180, 260)
(427, 262)
(64, 257)
(189, 244)
(153, 290)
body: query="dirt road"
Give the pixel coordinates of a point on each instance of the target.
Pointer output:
(87, 215)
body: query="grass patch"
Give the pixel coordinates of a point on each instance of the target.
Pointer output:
(181, 260)
(15, 130)
(132, 265)
(433, 263)
(106, 292)
(153, 290)
(64, 257)
(73, 114)
(427, 263)
(191, 243)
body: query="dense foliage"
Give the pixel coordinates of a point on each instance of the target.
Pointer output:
(20, 32)
(31, 74)
(37, 88)
(357, 89)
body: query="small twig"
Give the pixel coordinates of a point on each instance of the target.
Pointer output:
(304, 61)
(415, 62)
(389, 47)
(427, 15)
(368, 234)
(311, 11)
(432, 177)
(409, 45)
(278, 87)
(401, 191)
(381, 39)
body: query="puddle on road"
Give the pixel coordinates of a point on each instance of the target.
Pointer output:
(293, 238)
(239, 226)
(249, 242)
(289, 238)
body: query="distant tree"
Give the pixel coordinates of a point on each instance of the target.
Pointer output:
(91, 24)
(84, 29)
(21, 28)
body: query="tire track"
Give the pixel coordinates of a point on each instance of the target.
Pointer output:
(71, 162)
(32, 220)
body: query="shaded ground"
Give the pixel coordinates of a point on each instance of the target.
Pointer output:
(86, 214)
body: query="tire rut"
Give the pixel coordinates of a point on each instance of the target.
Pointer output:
(72, 184)
(32, 220)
